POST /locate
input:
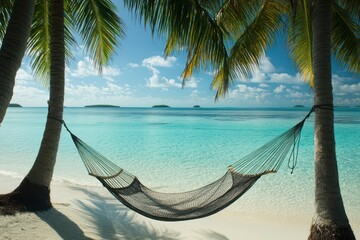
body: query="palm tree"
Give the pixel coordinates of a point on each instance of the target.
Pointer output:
(49, 43)
(231, 36)
(13, 45)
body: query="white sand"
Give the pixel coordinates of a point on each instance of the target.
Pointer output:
(92, 213)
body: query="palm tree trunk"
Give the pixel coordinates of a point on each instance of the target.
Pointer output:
(34, 191)
(330, 221)
(13, 48)
(42, 170)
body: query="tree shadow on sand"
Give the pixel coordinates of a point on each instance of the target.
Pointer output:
(209, 234)
(114, 221)
(65, 227)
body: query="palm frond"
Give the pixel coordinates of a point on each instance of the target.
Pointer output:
(99, 26)
(235, 15)
(300, 41)
(39, 41)
(345, 37)
(5, 12)
(248, 49)
(352, 7)
(222, 81)
(190, 26)
(69, 39)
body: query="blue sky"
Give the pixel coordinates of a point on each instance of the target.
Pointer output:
(139, 76)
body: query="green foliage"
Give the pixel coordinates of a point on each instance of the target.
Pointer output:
(300, 40)
(96, 21)
(231, 36)
(99, 26)
(345, 37)
(39, 42)
(5, 12)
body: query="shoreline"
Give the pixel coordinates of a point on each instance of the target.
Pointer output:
(92, 213)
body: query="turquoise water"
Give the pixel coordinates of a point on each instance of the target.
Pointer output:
(180, 149)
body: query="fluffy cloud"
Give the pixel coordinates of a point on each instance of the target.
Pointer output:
(285, 78)
(266, 66)
(350, 88)
(295, 94)
(23, 75)
(345, 86)
(158, 61)
(244, 92)
(156, 81)
(263, 85)
(86, 68)
(279, 89)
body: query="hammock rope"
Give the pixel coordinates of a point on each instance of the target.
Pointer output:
(198, 203)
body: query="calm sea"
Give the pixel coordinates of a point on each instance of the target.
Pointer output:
(179, 149)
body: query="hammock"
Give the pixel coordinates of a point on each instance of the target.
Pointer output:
(202, 202)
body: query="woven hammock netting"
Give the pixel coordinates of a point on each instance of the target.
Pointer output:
(202, 202)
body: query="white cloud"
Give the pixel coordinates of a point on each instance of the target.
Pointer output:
(133, 65)
(244, 92)
(279, 89)
(23, 75)
(263, 85)
(86, 68)
(156, 81)
(336, 79)
(266, 66)
(89, 93)
(347, 101)
(260, 73)
(295, 94)
(345, 85)
(158, 61)
(285, 78)
(350, 88)
(258, 76)
(191, 82)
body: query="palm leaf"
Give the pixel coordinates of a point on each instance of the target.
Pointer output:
(190, 26)
(39, 42)
(250, 46)
(352, 7)
(345, 37)
(235, 15)
(5, 12)
(300, 40)
(99, 26)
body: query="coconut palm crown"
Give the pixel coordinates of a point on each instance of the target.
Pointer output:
(52, 39)
(96, 23)
(231, 37)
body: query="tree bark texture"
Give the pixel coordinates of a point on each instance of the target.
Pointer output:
(330, 221)
(13, 49)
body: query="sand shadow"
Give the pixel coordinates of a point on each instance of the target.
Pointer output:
(210, 234)
(65, 227)
(114, 221)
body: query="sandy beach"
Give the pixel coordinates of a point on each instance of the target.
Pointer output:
(89, 213)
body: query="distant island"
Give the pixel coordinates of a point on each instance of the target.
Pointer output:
(299, 106)
(102, 106)
(14, 105)
(196, 106)
(161, 106)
